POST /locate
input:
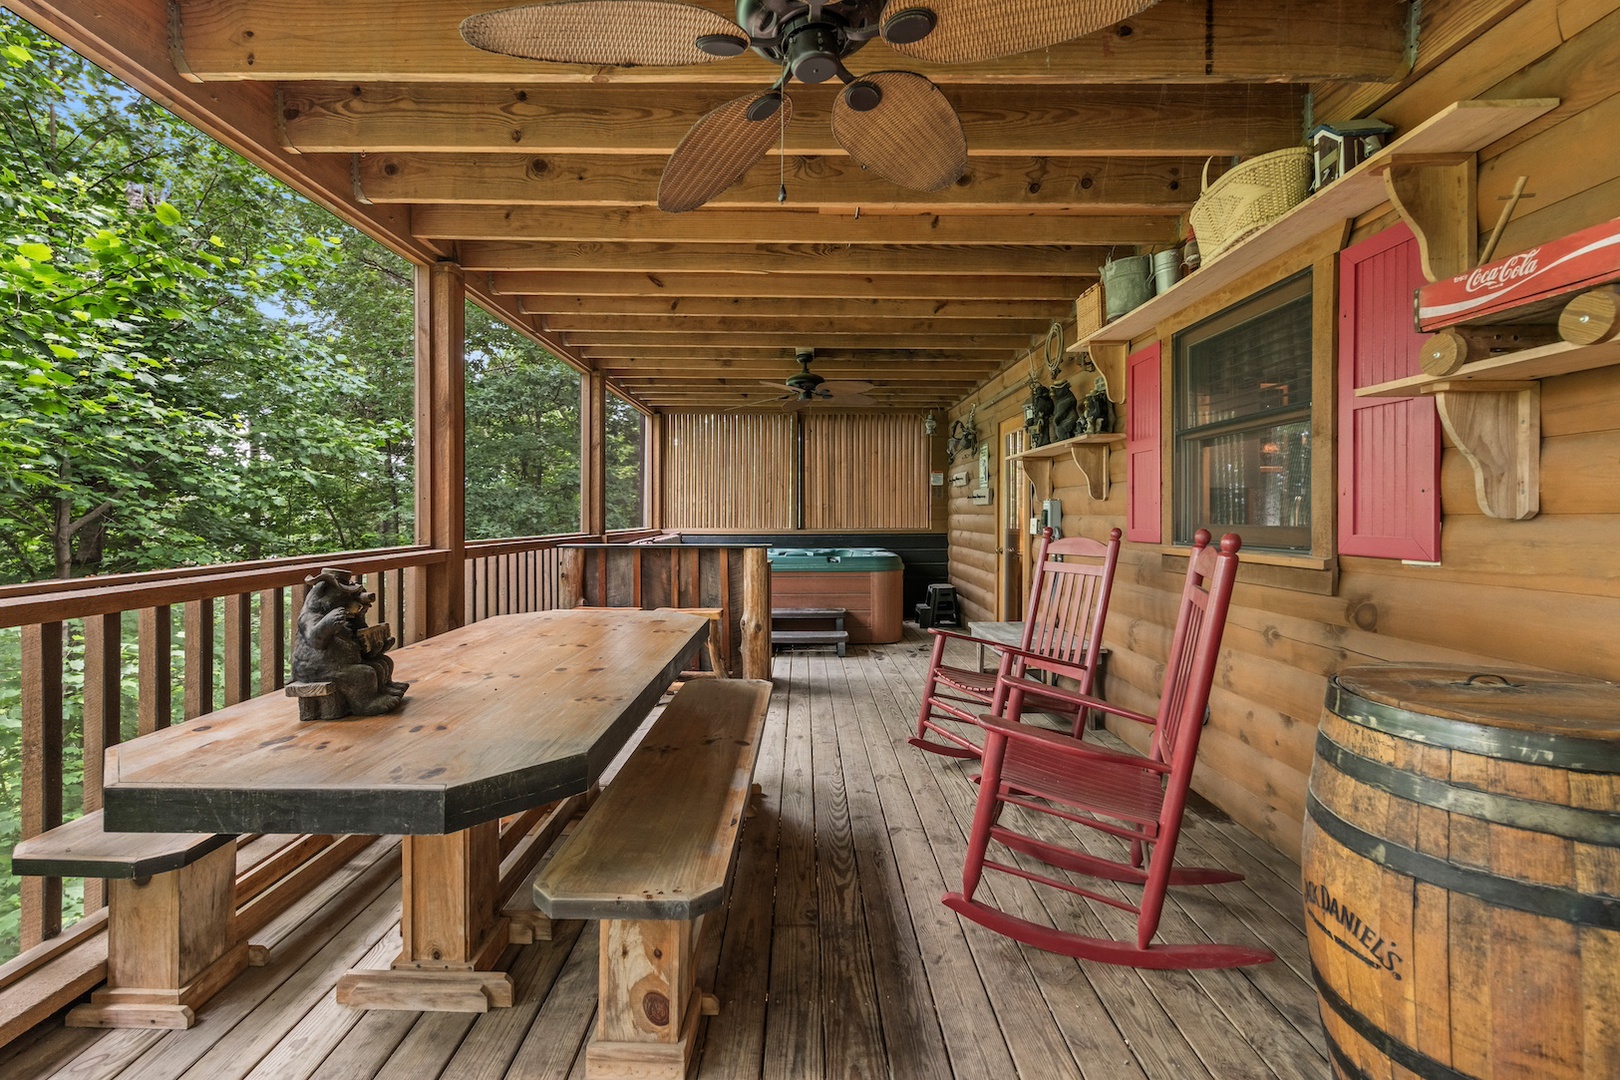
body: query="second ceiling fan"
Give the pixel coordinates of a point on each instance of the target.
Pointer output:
(896, 123)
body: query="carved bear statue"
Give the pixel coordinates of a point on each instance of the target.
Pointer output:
(340, 665)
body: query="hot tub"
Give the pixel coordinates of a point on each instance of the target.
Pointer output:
(865, 581)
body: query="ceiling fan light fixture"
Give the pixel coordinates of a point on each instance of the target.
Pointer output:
(909, 26)
(863, 96)
(815, 53)
(723, 46)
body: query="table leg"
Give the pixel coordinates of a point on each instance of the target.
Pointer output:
(451, 928)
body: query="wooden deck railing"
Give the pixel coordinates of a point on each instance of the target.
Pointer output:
(247, 609)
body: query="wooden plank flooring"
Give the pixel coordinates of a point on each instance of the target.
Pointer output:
(834, 957)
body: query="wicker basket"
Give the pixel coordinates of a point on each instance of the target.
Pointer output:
(1248, 198)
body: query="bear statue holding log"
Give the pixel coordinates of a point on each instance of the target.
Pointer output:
(340, 665)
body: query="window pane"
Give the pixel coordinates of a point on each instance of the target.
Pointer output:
(1243, 421)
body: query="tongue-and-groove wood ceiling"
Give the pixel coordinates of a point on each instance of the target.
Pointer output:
(541, 179)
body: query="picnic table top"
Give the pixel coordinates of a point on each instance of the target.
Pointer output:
(511, 712)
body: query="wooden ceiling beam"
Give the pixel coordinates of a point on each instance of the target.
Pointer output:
(585, 282)
(746, 260)
(826, 307)
(637, 372)
(1048, 185)
(675, 328)
(780, 352)
(417, 41)
(786, 341)
(777, 225)
(999, 121)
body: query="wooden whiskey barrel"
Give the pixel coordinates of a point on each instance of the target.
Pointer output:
(1462, 874)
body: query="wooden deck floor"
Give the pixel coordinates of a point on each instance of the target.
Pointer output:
(836, 957)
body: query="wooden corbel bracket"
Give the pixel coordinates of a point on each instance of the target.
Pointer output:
(1437, 195)
(1109, 358)
(1039, 471)
(1497, 426)
(1093, 462)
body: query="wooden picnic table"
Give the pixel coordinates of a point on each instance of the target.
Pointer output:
(507, 714)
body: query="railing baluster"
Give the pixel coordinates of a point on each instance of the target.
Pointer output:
(154, 704)
(41, 898)
(238, 647)
(199, 653)
(469, 582)
(272, 640)
(103, 718)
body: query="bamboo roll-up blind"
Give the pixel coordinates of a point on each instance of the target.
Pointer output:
(730, 471)
(865, 471)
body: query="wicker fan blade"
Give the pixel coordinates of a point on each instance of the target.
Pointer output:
(911, 136)
(846, 388)
(969, 30)
(606, 33)
(716, 153)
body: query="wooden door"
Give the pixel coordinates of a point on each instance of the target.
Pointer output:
(1012, 510)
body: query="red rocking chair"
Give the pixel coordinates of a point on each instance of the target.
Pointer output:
(1063, 628)
(1137, 799)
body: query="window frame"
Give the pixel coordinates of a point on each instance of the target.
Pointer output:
(1304, 284)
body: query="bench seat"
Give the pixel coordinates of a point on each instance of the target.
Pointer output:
(649, 860)
(172, 940)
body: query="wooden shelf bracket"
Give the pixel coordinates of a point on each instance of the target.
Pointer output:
(1497, 426)
(1109, 359)
(1093, 462)
(1436, 194)
(1089, 453)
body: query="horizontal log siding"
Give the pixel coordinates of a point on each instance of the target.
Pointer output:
(1539, 593)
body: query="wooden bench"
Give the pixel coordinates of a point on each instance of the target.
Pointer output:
(838, 636)
(650, 858)
(172, 939)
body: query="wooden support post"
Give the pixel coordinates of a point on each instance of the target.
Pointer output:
(451, 929)
(1497, 426)
(41, 897)
(273, 639)
(1437, 196)
(171, 945)
(154, 698)
(199, 685)
(648, 1006)
(437, 604)
(238, 647)
(756, 614)
(593, 453)
(103, 719)
(653, 480)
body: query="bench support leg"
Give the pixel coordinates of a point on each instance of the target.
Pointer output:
(171, 945)
(648, 1003)
(451, 927)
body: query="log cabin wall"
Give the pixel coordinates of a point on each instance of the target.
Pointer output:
(743, 472)
(1543, 592)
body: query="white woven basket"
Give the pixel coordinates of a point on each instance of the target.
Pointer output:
(1247, 198)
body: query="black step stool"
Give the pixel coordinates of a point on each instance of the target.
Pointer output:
(939, 609)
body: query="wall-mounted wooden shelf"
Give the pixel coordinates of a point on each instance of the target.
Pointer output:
(1559, 358)
(1089, 452)
(1463, 128)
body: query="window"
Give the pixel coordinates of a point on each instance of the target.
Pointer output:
(1242, 416)
(625, 482)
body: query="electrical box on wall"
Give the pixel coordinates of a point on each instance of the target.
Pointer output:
(1052, 517)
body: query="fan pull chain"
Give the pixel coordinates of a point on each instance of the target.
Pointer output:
(781, 158)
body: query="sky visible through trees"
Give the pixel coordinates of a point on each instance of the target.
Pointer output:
(199, 366)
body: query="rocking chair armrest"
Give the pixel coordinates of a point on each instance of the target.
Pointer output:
(970, 639)
(1065, 744)
(1029, 686)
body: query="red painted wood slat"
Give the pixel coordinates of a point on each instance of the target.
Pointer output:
(1389, 448)
(1143, 448)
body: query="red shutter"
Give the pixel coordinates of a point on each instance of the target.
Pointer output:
(1389, 448)
(1142, 447)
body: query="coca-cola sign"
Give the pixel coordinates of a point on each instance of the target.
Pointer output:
(1578, 261)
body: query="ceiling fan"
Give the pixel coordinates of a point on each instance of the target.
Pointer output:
(896, 123)
(806, 388)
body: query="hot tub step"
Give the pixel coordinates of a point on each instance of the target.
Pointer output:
(811, 637)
